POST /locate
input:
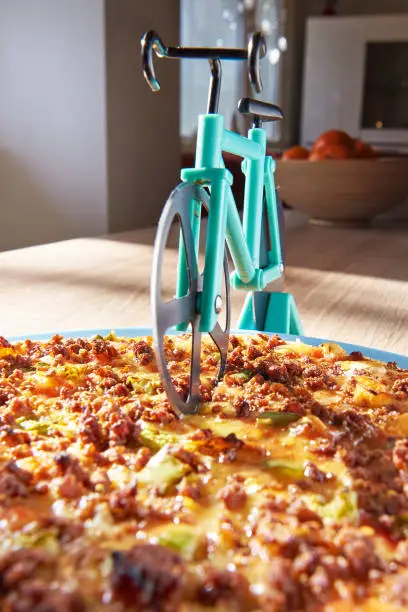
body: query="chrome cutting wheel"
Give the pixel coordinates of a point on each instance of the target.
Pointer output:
(184, 311)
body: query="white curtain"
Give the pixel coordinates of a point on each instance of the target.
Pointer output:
(204, 23)
(222, 23)
(271, 18)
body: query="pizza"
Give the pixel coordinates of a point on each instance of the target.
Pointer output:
(286, 492)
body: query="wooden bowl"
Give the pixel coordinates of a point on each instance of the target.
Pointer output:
(343, 192)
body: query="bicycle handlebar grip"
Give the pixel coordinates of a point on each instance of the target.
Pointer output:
(150, 42)
(256, 50)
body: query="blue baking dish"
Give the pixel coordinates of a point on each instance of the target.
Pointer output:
(129, 332)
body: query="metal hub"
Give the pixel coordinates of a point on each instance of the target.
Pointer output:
(218, 304)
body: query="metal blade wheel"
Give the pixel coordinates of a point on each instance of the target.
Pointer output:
(167, 314)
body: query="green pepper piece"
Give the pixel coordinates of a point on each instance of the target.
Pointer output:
(72, 371)
(47, 540)
(36, 426)
(142, 384)
(242, 377)
(154, 437)
(278, 418)
(181, 539)
(344, 505)
(285, 468)
(111, 336)
(163, 470)
(401, 523)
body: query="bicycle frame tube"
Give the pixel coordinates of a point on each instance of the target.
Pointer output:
(223, 219)
(243, 240)
(208, 171)
(209, 138)
(275, 257)
(239, 145)
(182, 273)
(254, 173)
(236, 241)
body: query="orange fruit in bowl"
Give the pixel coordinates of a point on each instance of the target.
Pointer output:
(333, 137)
(364, 150)
(332, 151)
(370, 152)
(296, 152)
(359, 146)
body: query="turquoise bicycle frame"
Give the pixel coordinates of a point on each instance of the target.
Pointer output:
(224, 224)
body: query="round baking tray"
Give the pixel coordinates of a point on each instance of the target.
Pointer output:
(400, 360)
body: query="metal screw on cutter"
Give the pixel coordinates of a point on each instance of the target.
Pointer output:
(218, 304)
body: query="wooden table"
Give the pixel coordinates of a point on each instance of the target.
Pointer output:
(349, 284)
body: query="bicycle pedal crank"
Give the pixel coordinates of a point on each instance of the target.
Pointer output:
(184, 311)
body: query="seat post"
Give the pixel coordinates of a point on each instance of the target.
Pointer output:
(215, 86)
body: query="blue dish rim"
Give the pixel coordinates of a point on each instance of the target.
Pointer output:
(378, 354)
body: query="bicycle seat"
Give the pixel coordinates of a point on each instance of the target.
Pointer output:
(261, 111)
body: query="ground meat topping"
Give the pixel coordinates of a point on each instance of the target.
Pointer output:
(400, 388)
(234, 496)
(20, 565)
(70, 466)
(356, 356)
(123, 503)
(37, 595)
(312, 472)
(359, 552)
(397, 591)
(283, 493)
(14, 481)
(147, 576)
(143, 352)
(4, 343)
(376, 480)
(273, 371)
(400, 455)
(228, 587)
(285, 593)
(90, 431)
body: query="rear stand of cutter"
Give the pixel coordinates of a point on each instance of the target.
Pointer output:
(281, 315)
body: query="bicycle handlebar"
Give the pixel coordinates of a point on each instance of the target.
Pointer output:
(151, 41)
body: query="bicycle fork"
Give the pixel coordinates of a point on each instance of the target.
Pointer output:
(208, 172)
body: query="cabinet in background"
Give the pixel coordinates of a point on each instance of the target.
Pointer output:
(356, 79)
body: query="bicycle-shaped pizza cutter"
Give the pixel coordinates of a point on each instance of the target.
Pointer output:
(254, 243)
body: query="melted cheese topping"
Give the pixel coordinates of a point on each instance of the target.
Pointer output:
(286, 492)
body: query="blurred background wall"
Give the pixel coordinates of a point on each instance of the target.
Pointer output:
(85, 147)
